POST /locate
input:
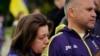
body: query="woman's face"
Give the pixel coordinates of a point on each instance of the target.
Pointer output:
(41, 40)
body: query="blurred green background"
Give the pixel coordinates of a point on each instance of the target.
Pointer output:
(45, 6)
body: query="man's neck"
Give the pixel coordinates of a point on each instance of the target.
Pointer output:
(76, 28)
(80, 31)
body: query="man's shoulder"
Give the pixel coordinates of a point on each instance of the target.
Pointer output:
(59, 37)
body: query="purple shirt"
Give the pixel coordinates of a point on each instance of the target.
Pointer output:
(69, 43)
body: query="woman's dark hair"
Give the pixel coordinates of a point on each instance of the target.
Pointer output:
(26, 32)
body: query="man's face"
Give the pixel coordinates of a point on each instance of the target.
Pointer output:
(97, 3)
(85, 15)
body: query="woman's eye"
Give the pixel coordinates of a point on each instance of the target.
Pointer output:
(41, 38)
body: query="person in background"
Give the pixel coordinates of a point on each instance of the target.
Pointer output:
(96, 30)
(74, 39)
(15, 22)
(20, 15)
(36, 10)
(31, 36)
(56, 14)
(2, 35)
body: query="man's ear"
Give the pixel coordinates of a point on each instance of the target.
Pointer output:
(71, 12)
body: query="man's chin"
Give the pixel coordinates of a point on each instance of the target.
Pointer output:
(91, 27)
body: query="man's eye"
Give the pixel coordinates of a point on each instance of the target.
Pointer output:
(89, 9)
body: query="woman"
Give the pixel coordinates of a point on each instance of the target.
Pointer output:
(31, 36)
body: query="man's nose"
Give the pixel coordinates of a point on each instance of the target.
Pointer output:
(94, 14)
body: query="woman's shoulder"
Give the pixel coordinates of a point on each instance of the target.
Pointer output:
(12, 52)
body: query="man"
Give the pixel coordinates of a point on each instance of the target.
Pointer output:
(56, 14)
(75, 39)
(96, 30)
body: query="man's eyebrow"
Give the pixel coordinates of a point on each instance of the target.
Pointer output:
(95, 3)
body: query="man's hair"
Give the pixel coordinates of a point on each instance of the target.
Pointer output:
(69, 3)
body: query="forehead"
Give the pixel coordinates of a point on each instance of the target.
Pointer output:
(97, 0)
(43, 29)
(86, 3)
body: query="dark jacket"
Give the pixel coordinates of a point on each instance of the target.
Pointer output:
(55, 16)
(68, 43)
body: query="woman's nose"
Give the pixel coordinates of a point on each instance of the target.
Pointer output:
(46, 41)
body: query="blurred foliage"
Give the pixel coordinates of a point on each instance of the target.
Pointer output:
(4, 5)
(45, 6)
